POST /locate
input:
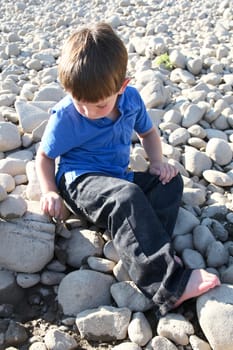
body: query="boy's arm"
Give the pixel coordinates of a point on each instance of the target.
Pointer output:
(51, 202)
(152, 145)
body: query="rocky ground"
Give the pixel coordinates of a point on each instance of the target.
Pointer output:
(180, 59)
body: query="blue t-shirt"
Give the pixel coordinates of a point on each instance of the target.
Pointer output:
(100, 145)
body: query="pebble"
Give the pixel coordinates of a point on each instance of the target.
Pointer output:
(191, 102)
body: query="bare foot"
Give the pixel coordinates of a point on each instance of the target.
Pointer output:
(200, 282)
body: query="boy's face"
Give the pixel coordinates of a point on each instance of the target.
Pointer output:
(96, 110)
(100, 109)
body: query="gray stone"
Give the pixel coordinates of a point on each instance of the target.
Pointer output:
(217, 254)
(23, 248)
(127, 294)
(84, 289)
(83, 243)
(10, 292)
(202, 238)
(185, 222)
(193, 259)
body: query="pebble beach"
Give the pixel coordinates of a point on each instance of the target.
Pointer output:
(62, 285)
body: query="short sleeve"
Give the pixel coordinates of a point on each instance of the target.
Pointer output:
(143, 121)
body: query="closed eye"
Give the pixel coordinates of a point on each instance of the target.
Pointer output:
(101, 106)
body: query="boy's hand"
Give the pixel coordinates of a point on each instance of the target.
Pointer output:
(165, 171)
(52, 204)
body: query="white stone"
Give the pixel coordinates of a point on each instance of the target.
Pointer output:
(34, 64)
(33, 191)
(54, 337)
(179, 75)
(49, 93)
(194, 196)
(177, 59)
(213, 133)
(30, 115)
(159, 342)
(7, 182)
(12, 207)
(154, 94)
(172, 116)
(214, 309)
(176, 328)
(126, 345)
(219, 150)
(138, 162)
(12, 166)
(104, 323)
(228, 78)
(12, 49)
(192, 115)
(9, 136)
(218, 178)
(198, 343)
(195, 161)
(110, 251)
(179, 136)
(197, 131)
(120, 272)
(194, 65)
(38, 345)
(100, 264)
(139, 329)
(197, 143)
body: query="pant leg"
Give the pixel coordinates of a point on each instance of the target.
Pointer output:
(164, 199)
(138, 235)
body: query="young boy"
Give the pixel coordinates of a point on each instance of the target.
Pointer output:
(90, 130)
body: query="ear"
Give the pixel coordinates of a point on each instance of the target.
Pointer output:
(123, 87)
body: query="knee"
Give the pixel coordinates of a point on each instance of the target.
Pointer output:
(129, 192)
(178, 184)
(173, 190)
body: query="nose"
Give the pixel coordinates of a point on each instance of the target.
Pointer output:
(88, 112)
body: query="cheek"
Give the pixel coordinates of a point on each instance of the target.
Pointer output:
(108, 109)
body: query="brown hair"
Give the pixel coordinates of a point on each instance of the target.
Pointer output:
(93, 63)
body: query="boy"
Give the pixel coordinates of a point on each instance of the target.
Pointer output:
(90, 130)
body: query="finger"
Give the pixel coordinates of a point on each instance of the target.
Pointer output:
(155, 171)
(44, 206)
(167, 174)
(164, 174)
(51, 207)
(58, 209)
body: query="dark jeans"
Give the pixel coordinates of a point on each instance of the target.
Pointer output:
(140, 217)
